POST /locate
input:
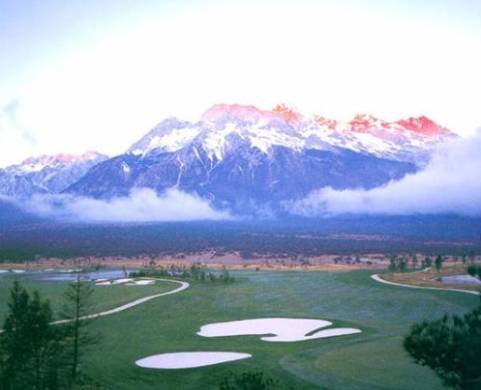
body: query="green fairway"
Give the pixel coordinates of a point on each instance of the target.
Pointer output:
(373, 359)
(104, 297)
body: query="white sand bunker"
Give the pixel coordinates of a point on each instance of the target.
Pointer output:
(106, 282)
(122, 281)
(178, 360)
(143, 282)
(281, 329)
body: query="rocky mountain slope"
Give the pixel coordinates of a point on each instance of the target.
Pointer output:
(240, 156)
(46, 174)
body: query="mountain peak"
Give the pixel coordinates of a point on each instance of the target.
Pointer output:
(423, 125)
(232, 111)
(250, 113)
(365, 122)
(409, 139)
(46, 173)
(287, 113)
(37, 163)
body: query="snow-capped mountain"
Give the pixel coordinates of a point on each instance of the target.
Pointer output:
(239, 156)
(46, 174)
(403, 140)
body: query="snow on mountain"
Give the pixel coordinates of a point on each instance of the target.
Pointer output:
(240, 157)
(409, 139)
(45, 174)
(57, 161)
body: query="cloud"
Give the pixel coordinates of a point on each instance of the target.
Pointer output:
(143, 205)
(449, 184)
(17, 142)
(10, 114)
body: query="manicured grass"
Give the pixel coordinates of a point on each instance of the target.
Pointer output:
(373, 359)
(103, 298)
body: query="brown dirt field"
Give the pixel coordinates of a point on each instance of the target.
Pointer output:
(233, 260)
(430, 278)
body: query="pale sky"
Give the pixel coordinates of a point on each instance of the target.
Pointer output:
(97, 75)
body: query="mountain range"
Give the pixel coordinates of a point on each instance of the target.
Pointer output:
(240, 157)
(46, 174)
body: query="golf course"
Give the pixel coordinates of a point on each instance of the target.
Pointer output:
(371, 358)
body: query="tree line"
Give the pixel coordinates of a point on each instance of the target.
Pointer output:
(404, 263)
(196, 271)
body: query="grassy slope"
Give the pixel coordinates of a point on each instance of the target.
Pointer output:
(104, 297)
(373, 360)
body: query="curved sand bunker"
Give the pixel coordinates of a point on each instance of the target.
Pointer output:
(281, 329)
(179, 360)
(125, 281)
(143, 282)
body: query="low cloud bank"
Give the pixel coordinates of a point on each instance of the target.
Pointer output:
(450, 184)
(143, 205)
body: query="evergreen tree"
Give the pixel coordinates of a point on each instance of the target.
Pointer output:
(15, 350)
(451, 347)
(427, 262)
(474, 270)
(414, 261)
(438, 263)
(30, 346)
(78, 337)
(392, 264)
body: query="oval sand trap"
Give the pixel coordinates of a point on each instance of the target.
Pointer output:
(177, 360)
(144, 282)
(121, 281)
(278, 329)
(104, 283)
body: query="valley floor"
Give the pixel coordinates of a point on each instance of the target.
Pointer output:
(373, 359)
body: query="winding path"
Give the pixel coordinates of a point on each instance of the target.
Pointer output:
(126, 306)
(377, 278)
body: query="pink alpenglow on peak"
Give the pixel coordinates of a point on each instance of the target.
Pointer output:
(242, 112)
(423, 125)
(329, 123)
(249, 113)
(223, 127)
(287, 113)
(63, 158)
(360, 123)
(364, 123)
(37, 163)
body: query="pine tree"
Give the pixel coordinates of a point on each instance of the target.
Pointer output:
(78, 337)
(40, 334)
(451, 346)
(30, 345)
(392, 264)
(427, 262)
(14, 347)
(438, 263)
(414, 261)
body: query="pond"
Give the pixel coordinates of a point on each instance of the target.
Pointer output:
(67, 275)
(461, 279)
